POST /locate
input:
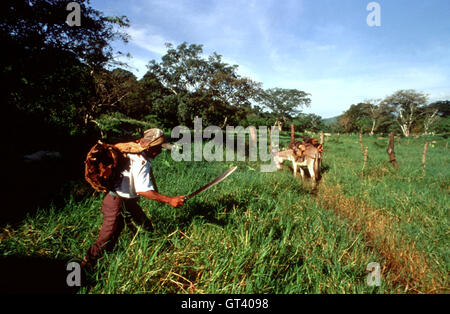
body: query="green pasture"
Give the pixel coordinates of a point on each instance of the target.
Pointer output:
(256, 232)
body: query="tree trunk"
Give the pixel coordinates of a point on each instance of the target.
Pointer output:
(373, 127)
(224, 123)
(390, 151)
(279, 125)
(425, 127)
(404, 128)
(429, 121)
(172, 90)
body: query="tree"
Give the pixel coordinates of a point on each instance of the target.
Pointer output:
(208, 88)
(433, 113)
(284, 103)
(141, 101)
(311, 122)
(38, 25)
(443, 107)
(49, 67)
(181, 69)
(375, 111)
(430, 117)
(355, 119)
(225, 85)
(111, 90)
(406, 105)
(346, 123)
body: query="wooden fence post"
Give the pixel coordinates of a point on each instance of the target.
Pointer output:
(424, 157)
(390, 151)
(365, 157)
(253, 137)
(270, 139)
(292, 133)
(362, 144)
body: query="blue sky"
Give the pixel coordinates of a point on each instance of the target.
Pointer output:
(322, 47)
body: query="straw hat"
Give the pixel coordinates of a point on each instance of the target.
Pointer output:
(152, 138)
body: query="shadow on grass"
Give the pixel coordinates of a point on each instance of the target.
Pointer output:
(302, 188)
(36, 274)
(37, 185)
(209, 210)
(324, 168)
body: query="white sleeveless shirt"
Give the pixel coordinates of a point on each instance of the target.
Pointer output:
(136, 178)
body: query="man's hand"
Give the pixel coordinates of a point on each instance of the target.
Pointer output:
(177, 201)
(174, 201)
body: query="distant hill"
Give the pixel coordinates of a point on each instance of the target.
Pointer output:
(330, 121)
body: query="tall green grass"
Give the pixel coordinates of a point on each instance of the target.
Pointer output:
(417, 201)
(254, 232)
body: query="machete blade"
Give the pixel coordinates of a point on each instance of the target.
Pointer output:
(219, 179)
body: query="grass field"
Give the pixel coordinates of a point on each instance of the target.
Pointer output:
(269, 232)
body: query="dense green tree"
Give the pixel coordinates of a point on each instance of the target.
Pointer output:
(406, 106)
(48, 73)
(355, 119)
(203, 87)
(150, 89)
(442, 106)
(113, 90)
(431, 117)
(310, 122)
(37, 25)
(49, 67)
(284, 103)
(378, 113)
(370, 116)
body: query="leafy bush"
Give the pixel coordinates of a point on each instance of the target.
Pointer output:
(117, 126)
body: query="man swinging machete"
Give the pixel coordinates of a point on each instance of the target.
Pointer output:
(136, 180)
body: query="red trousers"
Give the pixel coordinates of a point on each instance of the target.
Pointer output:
(114, 222)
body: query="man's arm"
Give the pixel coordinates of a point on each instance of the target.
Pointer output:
(174, 201)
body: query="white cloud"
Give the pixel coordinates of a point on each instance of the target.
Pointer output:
(333, 96)
(145, 38)
(280, 44)
(139, 66)
(136, 65)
